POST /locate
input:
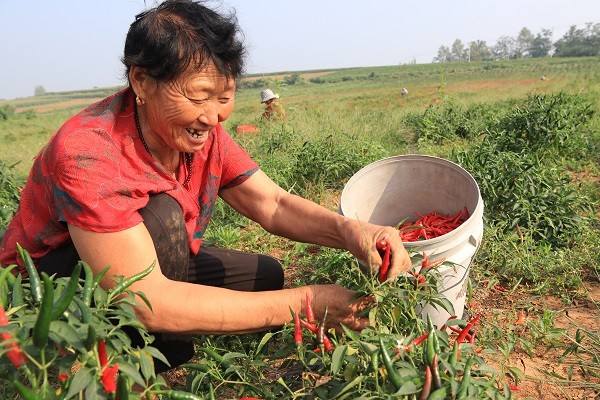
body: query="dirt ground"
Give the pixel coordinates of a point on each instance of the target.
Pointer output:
(500, 306)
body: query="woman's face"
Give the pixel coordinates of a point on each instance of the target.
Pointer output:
(182, 113)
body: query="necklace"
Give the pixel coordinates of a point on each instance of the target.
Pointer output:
(189, 157)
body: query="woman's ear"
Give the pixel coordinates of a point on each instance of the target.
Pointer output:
(139, 81)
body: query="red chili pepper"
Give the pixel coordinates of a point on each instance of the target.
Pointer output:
(16, 357)
(521, 319)
(463, 334)
(102, 355)
(311, 327)
(310, 314)
(327, 345)
(416, 342)
(63, 376)
(454, 329)
(297, 329)
(108, 378)
(426, 390)
(382, 246)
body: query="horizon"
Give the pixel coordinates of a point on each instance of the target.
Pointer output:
(82, 42)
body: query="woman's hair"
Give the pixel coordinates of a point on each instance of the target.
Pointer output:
(176, 34)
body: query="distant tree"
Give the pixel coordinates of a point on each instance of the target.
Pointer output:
(504, 48)
(479, 51)
(579, 42)
(39, 91)
(458, 51)
(524, 41)
(443, 55)
(292, 79)
(541, 46)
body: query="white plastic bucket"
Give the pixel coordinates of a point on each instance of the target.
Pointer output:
(392, 190)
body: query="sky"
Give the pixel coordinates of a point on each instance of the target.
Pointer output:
(67, 45)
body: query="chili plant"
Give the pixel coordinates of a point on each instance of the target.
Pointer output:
(65, 338)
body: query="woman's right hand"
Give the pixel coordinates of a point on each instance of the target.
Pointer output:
(343, 306)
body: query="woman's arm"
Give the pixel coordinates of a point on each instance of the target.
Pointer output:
(291, 216)
(181, 307)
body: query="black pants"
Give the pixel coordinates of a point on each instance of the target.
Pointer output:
(212, 266)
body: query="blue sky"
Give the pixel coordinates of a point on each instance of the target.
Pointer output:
(70, 45)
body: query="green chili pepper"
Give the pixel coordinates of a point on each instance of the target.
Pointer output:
(88, 285)
(35, 284)
(181, 395)
(90, 340)
(466, 380)
(17, 292)
(429, 350)
(436, 343)
(216, 357)
(24, 391)
(42, 324)
(454, 355)
(393, 374)
(122, 388)
(86, 314)
(211, 392)
(67, 295)
(375, 361)
(3, 292)
(430, 325)
(121, 287)
(10, 277)
(197, 366)
(435, 373)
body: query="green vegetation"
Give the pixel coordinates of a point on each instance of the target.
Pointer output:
(532, 145)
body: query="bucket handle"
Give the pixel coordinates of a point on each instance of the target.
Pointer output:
(475, 243)
(459, 282)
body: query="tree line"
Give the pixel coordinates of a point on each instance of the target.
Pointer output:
(577, 42)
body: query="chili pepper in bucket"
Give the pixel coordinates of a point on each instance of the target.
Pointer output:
(432, 225)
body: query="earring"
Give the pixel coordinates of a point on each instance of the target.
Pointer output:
(139, 101)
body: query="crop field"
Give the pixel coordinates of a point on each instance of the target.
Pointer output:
(527, 130)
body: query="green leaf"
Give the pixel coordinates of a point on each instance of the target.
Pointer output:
(407, 388)
(146, 364)
(132, 372)
(350, 333)
(154, 352)
(80, 381)
(263, 342)
(60, 331)
(338, 358)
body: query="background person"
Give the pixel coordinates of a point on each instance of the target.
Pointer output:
(274, 110)
(132, 180)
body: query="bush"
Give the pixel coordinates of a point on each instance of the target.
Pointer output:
(545, 123)
(523, 190)
(9, 195)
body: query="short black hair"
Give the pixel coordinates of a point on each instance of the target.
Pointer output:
(176, 34)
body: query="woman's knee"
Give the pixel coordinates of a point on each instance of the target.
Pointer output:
(269, 273)
(164, 220)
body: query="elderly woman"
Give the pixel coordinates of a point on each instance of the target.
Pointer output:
(132, 180)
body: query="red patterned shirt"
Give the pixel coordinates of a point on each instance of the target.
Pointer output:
(96, 174)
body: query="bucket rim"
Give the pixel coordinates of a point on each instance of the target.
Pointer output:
(420, 157)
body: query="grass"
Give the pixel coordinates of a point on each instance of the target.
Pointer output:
(477, 114)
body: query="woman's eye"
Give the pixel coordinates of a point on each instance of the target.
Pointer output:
(224, 100)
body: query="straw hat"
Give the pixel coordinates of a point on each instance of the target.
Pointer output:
(267, 95)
